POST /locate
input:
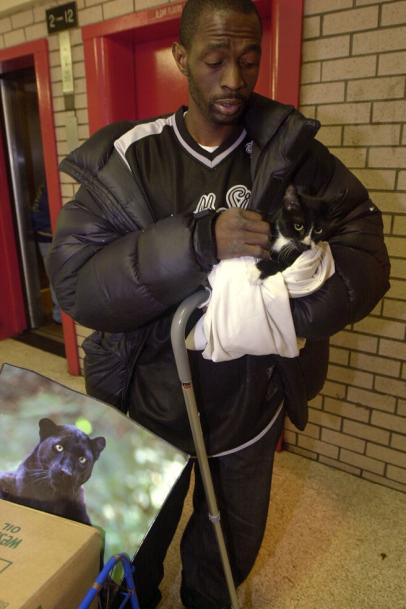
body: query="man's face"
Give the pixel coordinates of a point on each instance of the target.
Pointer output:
(222, 65)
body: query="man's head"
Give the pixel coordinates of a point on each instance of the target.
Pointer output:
(219, 53)
(193, 10)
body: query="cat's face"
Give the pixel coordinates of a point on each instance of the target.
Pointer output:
(301, 221)
(66, 455)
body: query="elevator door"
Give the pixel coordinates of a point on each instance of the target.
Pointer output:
(25, 164)
(159, 86)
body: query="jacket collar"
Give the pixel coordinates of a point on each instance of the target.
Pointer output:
(264, 117)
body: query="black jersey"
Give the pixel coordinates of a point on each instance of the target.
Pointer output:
(178, 175)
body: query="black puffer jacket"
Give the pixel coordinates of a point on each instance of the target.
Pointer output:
(106, 267)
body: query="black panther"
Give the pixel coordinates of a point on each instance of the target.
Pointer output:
(51, 477)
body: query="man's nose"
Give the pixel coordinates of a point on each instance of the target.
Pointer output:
(232, 77)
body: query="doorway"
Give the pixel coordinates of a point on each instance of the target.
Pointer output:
(24, 161)
(13, 317)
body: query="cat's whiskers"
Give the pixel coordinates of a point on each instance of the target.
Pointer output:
(38, 475)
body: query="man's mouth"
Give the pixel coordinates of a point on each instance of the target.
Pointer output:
(228, 107)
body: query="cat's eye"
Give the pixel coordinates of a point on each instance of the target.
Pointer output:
(318, 231)
(58, 448)
(82, 460)
(298, 227)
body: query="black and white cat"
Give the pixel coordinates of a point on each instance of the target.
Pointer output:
(51, 477)
(300, 222)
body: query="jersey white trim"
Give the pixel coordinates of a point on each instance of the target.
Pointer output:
(200, 157)
(253, 440)
(141, 131)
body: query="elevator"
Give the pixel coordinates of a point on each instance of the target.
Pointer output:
(28, 200)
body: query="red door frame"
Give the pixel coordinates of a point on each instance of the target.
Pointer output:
(36, 53)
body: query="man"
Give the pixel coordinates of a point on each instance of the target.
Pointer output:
(163, 201)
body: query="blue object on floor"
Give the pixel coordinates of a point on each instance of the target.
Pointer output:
(127, 589)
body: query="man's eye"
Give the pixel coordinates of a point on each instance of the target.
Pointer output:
(249, 61)
(214, 64)
(249, 64)
(298, 227)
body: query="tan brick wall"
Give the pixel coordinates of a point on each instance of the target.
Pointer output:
(353, 80)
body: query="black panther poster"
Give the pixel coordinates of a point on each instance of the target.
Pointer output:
(67, 454)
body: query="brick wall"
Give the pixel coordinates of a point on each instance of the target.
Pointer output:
(353, 80)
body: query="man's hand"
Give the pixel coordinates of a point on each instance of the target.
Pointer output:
(240, 232)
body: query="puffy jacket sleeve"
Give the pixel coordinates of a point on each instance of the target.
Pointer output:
(357, 243)
(116, 281)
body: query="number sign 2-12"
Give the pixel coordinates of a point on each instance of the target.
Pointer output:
(62, 17)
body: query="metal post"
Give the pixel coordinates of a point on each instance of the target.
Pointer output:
(179, 322)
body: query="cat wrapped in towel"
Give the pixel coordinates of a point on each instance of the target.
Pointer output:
(248, 312)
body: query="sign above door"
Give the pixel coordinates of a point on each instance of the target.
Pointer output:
(62, 17)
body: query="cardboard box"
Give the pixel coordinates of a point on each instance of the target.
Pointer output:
(46, 562)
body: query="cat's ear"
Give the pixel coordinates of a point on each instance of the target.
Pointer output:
(47, 428)
(98, 444)
(290, 199)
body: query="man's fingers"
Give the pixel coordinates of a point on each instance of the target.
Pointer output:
(254, 250)
(254, 223)
(249, 214)
(260, 227)
(257, 238)
(241, 233)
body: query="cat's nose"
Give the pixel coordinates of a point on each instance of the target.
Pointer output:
(65, 473)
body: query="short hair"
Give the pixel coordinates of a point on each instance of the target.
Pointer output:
(194, 8)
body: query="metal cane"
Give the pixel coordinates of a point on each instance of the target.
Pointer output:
(178, 328)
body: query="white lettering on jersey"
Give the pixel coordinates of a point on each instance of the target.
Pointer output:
(206, 202)
(248, 147)
(238, 196)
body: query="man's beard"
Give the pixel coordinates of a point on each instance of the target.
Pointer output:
(208, 108)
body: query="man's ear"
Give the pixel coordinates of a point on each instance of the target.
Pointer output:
(180, 56)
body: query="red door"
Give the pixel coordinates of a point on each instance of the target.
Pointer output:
(12, 310)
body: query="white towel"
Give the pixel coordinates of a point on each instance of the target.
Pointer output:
(246, 315)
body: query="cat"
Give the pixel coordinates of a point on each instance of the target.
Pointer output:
(301, 221)
(51, 477)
